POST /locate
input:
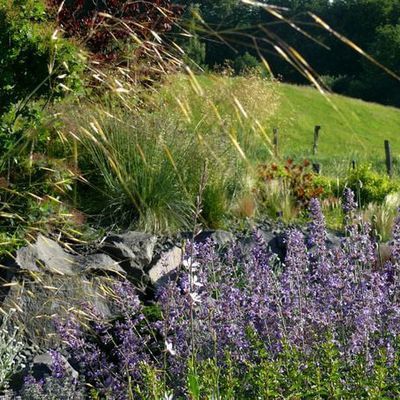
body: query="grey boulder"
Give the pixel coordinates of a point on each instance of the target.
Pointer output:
(134, 252)
(165, 266)
(43, 365)
(137, 248)
(46, 255)
(101, 262)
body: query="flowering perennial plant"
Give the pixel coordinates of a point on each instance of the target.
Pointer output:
(323, 319)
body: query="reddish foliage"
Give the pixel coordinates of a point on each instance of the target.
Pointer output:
(4, 184)
(299, 177)
(101, 23)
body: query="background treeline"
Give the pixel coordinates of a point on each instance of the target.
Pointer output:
(230, 30)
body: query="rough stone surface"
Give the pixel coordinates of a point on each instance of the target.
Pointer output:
(333, 239)
(134, 247)
(166, 265)
(42, 366)
(134, 251)
(100, 262)
(222, 238)
(26, 258)
(46, 254)
(41, 301)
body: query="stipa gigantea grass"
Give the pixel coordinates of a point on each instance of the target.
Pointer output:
(383, 215)
(146, 160)
(225, 120)
(140, 181)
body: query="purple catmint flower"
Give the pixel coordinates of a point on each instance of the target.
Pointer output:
(126, 298)
(92, 360)
(294, 288)
(30, 380)
(360, 245)
(224, 302)
(58, 364)
(349, 203)
(296, 260)
(396, 240)
(259, 253)
(317, 231)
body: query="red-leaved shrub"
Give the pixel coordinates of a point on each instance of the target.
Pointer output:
(102, 25)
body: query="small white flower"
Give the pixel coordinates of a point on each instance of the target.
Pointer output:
(195, 297)
(195, 265)
(196, 282)
(169, 348)
(168, 396)
(186, 263)
(189, 263)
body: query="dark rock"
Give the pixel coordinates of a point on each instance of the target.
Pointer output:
(278, 246)
(219, 237)
(136, 248)
(40, 367)
(134, 251)
(8, 270)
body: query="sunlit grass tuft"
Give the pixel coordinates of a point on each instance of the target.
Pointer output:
(145, 160)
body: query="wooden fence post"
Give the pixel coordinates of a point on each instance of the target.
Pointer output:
(316, 168)
(316, 137)
(275, 142)
(389, 160)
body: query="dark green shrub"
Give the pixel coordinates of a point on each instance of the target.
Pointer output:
(36, 176)
(245, 63)
(195, 52)
(34, 61)
(332, 80)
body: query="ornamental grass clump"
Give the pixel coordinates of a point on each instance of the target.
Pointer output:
(239, 323)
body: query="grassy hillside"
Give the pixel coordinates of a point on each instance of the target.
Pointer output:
(351, 128)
